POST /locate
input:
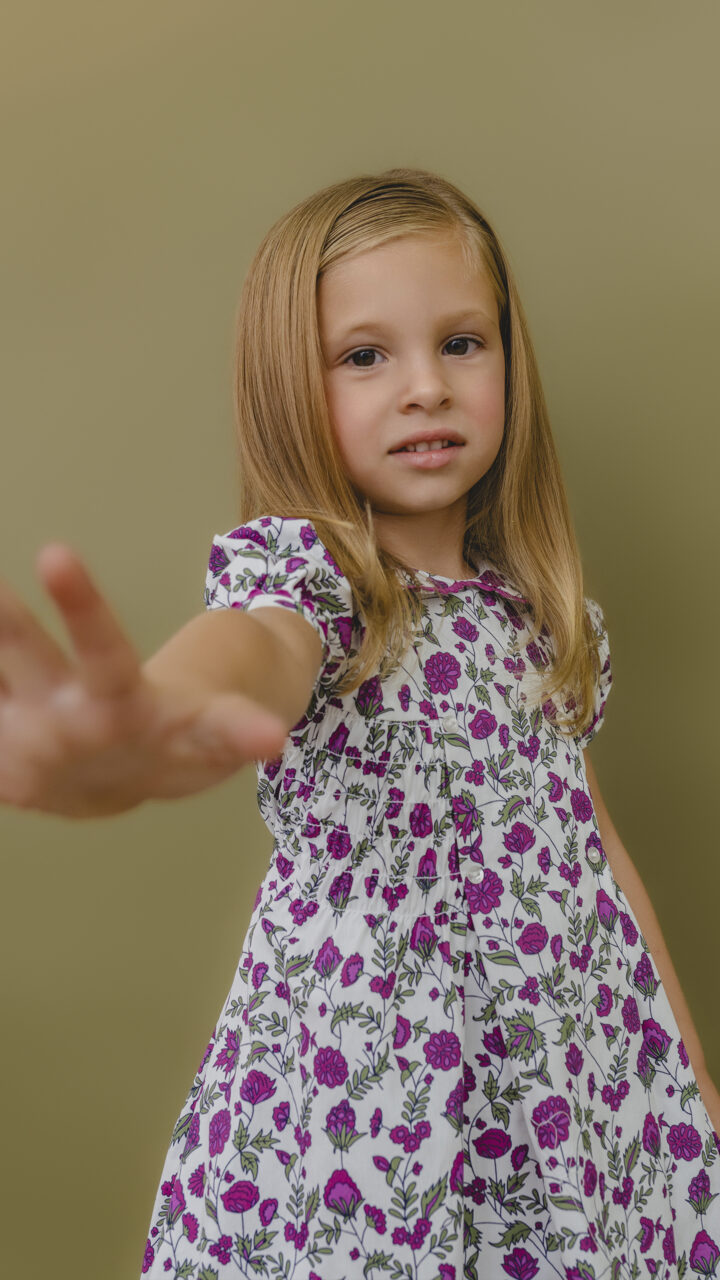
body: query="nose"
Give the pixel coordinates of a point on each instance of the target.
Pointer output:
(426, 384)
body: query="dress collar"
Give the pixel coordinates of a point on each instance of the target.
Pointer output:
(489, 579)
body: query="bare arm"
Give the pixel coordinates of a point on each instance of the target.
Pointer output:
(627, 877)
(272, 655)
(99, 732)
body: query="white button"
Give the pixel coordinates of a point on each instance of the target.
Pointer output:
(474, 872)
(449, 722)
(594, 857)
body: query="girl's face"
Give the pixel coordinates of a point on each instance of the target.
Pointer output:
(411, 346)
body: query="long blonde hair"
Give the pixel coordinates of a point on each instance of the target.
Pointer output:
(518, 514)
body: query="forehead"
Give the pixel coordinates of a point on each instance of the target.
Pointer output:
(428, 271)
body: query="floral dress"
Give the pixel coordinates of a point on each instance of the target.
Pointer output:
(446, 1052)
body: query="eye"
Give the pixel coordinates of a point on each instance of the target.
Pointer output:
(364, 351)
(475, 340)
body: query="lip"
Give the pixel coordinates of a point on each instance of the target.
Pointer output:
(427, 437)
(429, 459)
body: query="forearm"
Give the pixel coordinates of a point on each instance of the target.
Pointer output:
(274, 661)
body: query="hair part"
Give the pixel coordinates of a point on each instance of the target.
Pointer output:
(518, 514)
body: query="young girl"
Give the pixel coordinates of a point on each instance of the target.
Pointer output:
(455, 1045)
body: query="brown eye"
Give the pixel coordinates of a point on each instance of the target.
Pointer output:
(362, 351)
(452, 340)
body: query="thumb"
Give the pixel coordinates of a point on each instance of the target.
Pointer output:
(250, 728)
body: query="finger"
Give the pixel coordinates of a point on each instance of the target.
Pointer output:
(31, 662)
(242, 728)
(108, 664)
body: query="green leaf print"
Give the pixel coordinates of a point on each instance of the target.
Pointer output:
(523, 1039)
(565, 1202)
(510, 809)
(381, 1260)
(518, 1231)
(632, 1151)
(207, 1273)
(433, 1197)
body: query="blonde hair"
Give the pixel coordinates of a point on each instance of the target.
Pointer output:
(518, 514)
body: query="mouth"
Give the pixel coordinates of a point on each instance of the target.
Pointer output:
(433, 446)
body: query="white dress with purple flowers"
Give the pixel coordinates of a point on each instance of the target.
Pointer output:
(446, 1052)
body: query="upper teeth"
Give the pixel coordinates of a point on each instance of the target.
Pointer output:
(427, 444)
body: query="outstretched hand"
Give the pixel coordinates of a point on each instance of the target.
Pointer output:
(91, 735)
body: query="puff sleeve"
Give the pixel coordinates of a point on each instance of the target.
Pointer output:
(281, 562)
(602, 687)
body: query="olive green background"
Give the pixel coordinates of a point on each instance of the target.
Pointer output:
(147, 148)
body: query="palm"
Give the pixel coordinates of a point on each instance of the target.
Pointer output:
(93, 736)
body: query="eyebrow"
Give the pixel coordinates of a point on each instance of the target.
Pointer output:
(445, 322)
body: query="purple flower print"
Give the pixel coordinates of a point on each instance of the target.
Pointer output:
(504, 730)
(629, 931)
(240, 1197)
(267, 1211)
(328, 958)
(644, 976)
(493, 1143)
(218, 560)
(482, 896)
(339, 895)
(402, 1032)
(256, 1087)
(177, 1201)
(603, 1001)
(630, 1015)
(427, 870)
(420, 821)
(341, 1195)
(340, 1126)
(589, 1178)
(464, 628)
(148, 1258)
(494, 1043)
(423, 938)
(465, 814)
(699, 1192)
(606, 909)
(651, 1135)
(704, 1254)
(655, 1040)
(442, 1050)
(531, 748)
(330, 1067)
(227, 1057)
(684, 1141)
(281, 1115)
(556, 946)
(339, 843)
(456, 1173)
(258, 975)
(442, 672)
(533, 939)
(581, 805)
(520, 1264)
(338, 739)
(351, 970)
(375, 1122)
(222, 1250)
(377, 1218)
(246, 532)
(368, 698)
(219, 1132)
(483, 724)
(574, 1060)
(394, 805)
(190, 1227)
(519, 838)
(551, 1118)
(196, 1181)
(555, 792)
